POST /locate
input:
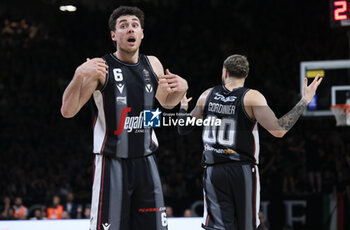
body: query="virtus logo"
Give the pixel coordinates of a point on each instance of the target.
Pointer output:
(106, 226)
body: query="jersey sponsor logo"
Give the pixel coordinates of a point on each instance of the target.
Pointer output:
(151, 118)
(220, 151)
(131, 123)
(221, 97)
(106, 226)
(120, 88)
(219, 108)
(149, 88)
(146, 75)
(122, 121)
(121, 100)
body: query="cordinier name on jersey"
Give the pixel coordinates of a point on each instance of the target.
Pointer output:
(220, 108)
(191, 121)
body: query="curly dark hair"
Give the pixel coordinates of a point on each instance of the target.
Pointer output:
(237, 66)
(125, 10)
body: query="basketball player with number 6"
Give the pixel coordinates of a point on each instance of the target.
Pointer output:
(127, 192)
(231, 150)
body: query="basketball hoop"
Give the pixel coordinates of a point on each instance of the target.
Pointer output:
(342, 114)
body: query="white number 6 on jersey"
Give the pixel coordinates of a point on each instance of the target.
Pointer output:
(118, 76)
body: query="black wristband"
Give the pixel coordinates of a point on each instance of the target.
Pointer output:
(182, 110)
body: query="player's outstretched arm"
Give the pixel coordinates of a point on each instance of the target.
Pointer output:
(87, 77)
(256, 105)
(289, 119)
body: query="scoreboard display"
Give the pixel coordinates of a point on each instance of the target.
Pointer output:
(340, 13)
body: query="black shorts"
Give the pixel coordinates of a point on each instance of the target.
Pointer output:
(127, 195)
(231, 197)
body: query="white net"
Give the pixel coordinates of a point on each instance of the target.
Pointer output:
(342, 114)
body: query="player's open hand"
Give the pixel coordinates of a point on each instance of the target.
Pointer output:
(94, 68)
(310, 90)
(184, 102)
(173, 82)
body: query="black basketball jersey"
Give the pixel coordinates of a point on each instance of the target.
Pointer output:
(236, 138)
(118, 128)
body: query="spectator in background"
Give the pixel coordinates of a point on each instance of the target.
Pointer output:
(55, 211)
(7, 33)
(87, 212)
(38, 215)
(169, 211)
(65, 215)
(313, 163)
(70, 206)
(11, 214)
(264, 225)
(188, 213)
(20, 211)
(6, 208)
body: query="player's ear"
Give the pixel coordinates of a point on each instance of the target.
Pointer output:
(142, 34)
(224, 73)
(113, 37)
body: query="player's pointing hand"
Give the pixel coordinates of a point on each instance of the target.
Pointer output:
(310, 90)
(184, 102)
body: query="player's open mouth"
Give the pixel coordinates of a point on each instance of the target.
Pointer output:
(131, 40)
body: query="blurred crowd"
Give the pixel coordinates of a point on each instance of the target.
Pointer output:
(46, 161)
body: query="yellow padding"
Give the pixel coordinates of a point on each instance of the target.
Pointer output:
(313, 73)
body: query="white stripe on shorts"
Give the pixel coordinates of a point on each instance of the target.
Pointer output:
(96, 187)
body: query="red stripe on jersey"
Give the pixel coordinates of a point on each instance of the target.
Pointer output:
(106, 134)
(207, 221)
(154, 143)
(94, 122)
(101, 200)
(93, 171)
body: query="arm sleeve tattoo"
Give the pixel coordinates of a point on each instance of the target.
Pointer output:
(289, 119)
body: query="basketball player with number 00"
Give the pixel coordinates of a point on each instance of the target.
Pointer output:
(231, 149)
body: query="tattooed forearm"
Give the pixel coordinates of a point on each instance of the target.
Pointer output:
(288, 120)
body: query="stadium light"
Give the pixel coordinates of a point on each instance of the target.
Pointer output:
(69, 8)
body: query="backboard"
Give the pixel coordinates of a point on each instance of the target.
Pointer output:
(334, 86)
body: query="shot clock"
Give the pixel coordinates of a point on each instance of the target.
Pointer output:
(340, 13)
